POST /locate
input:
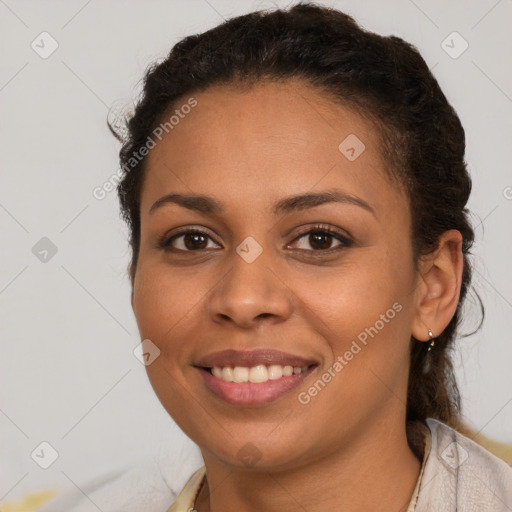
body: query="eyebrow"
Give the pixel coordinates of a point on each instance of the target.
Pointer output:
(209, 205)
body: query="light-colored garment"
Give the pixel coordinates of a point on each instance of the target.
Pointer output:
(457, 475)
(461, 476)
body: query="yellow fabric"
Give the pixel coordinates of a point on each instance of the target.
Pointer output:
(501, 450)
(30, 503)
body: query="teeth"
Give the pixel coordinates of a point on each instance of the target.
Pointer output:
(240, 374)
(288, 371)
(226, 374)
(256, 374)
(275, 372)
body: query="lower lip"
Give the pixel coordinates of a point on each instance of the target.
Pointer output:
(249, 393)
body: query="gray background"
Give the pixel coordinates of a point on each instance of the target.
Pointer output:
(68, 373)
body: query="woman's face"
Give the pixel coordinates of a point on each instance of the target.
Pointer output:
(303, 260)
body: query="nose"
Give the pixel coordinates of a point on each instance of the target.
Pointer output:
(250, 294)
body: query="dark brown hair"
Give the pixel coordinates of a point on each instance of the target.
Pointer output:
(386, 79)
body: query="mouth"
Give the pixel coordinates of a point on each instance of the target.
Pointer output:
(253, 378)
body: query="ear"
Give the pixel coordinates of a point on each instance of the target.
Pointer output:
(437, 294)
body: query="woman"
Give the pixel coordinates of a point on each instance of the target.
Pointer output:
(295, 188)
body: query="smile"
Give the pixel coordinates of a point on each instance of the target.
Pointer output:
(272, 374)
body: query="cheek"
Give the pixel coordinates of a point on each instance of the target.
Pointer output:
(352, 297)
(164, 303)
(361, 311)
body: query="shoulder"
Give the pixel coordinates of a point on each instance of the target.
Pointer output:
(461, 475)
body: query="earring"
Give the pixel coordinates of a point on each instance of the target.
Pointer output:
(431, 339)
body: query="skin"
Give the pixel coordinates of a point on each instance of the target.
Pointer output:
(248, 150)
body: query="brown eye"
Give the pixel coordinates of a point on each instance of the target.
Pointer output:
(195, 241)
(189, 241)
(321, 240)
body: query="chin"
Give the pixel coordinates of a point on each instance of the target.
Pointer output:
(256, 452)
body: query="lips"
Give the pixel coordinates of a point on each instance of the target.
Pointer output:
(249, 378)
(252, 358)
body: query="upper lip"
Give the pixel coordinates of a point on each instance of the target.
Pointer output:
(252, 358)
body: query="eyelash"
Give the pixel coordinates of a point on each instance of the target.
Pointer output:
(345, 241)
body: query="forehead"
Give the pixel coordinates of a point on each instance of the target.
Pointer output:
(266, 141)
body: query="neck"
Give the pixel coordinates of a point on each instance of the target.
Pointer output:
(377, 472)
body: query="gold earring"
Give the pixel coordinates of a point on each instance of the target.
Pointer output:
(431, 339)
